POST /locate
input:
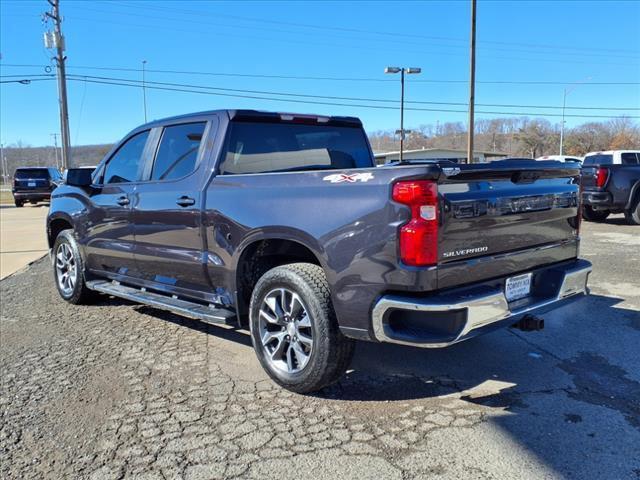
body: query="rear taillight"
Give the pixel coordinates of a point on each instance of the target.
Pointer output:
(602, 175)
(419, 237)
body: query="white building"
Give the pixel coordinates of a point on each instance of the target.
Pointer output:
(458, 156)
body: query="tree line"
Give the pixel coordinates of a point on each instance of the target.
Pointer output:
(523, 137)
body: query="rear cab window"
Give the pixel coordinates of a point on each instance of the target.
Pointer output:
(598, 159)
(629, 158)
(261, 147)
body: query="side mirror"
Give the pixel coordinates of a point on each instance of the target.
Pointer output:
(79, 177)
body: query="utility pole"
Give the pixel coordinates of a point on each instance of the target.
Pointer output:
(55, 40)
(55, 149)
(472, 84)
(144, 90)
(5, 174)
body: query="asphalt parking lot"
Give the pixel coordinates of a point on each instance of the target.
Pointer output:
(117, 390)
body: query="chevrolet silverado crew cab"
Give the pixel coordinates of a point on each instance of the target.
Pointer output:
(282, 223)
(611, 184)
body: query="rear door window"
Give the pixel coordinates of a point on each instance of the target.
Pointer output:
(178, 151)
(124, 165)
(629, 158)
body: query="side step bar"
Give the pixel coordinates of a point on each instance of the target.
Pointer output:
(207, 314)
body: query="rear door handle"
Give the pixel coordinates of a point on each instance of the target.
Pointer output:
(123, 201)
(185, 201)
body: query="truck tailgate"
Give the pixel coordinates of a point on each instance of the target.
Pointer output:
(505, 217)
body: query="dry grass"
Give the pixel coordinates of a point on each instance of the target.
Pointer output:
(5, 196)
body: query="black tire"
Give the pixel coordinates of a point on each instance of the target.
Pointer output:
(633, 214)
(79, 293)
(591, 215)
(18, 203)
(331, 352)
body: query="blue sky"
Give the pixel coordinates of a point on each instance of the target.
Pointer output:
(554, 41)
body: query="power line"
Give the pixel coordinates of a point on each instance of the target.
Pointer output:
(322, 78)
(356, 30)
(324, 44)
(357, 99)
(389, 37)
(332, 97)
(26, 81)
(313, 102)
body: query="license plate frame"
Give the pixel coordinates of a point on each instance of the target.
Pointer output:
(518, 287)
(31, 184)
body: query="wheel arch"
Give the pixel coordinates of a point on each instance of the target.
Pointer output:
(634, 194)
(55, 225)
(263, 252)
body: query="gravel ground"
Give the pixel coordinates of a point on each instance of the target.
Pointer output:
(117, 390)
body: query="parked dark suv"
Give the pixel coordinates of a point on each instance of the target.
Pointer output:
(34, 184)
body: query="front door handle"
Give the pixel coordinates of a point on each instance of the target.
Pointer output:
(123, 201)
(185, 201)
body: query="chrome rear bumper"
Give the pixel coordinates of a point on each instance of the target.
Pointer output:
(468, 312)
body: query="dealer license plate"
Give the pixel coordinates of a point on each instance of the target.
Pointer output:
(31, 184)
(517, 287)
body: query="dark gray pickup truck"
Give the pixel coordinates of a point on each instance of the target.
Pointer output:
(282, 223)
(611, 184)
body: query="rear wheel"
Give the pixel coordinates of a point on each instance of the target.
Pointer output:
(19, 203)
(294, 329)
(633, 214)
(68, 270)
(591, 215)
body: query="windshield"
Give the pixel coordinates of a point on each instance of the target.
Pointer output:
(599, 159)
(32, 173)
(272, 147)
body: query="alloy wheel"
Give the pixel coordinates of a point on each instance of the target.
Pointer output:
(66, 269)
(285, 330)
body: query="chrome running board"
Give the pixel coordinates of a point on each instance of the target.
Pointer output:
(208, 314)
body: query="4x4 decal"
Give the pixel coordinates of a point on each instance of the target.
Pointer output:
(352, 178)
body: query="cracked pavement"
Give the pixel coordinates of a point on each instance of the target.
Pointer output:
(118, 390)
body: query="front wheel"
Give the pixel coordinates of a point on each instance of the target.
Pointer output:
(294, 329)
(68, 270)
(591, 215)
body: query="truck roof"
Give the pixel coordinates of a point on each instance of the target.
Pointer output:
(263, 115)
(611, 152)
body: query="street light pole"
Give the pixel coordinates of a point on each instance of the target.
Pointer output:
(564, 103)
(402, 71)
(472, 83)
(144, 90)
(401, 115)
